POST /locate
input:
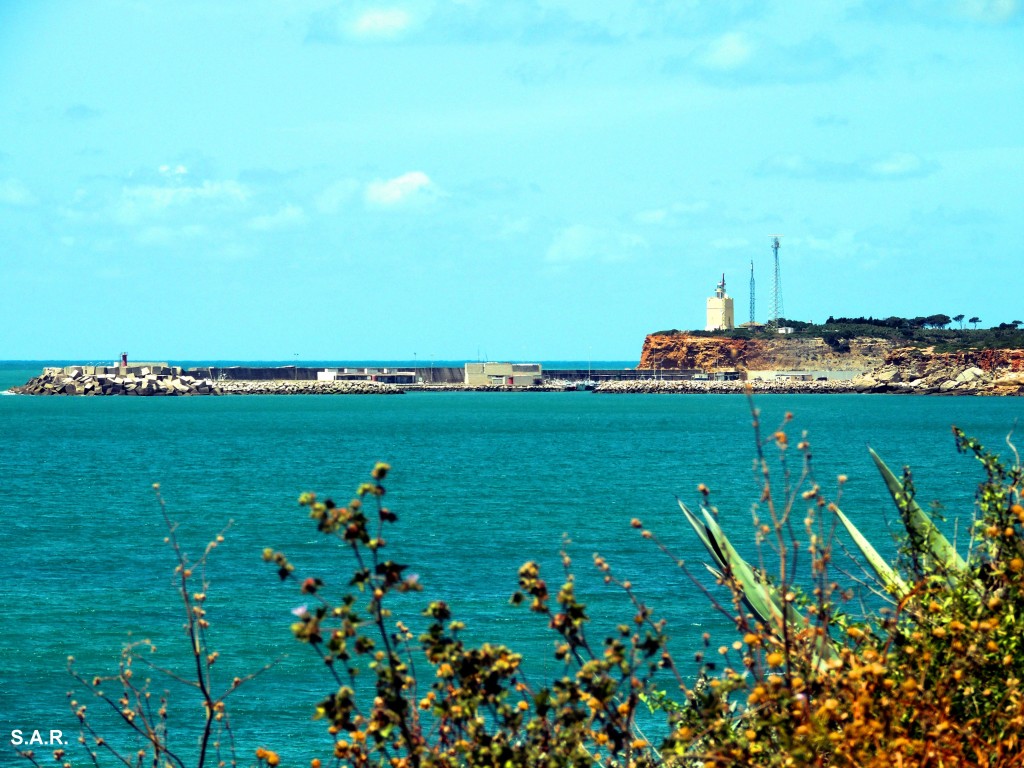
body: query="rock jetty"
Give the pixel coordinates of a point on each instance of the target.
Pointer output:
(168, 382)
(146, 383)
(762, 386)
(548, 386)
(307, 387)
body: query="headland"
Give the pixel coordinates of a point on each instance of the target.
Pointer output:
(853, 364)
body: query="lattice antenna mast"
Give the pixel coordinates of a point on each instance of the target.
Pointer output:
(751, 292)
(777, 310)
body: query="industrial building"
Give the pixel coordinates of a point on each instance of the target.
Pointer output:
(720, 312)
(389, 375)
(503, 375)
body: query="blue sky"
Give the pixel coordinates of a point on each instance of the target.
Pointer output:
(535, 179)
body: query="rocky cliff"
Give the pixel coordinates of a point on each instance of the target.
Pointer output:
(684, 352)
(885, 366)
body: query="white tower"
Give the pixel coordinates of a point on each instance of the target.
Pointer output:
(720, 315)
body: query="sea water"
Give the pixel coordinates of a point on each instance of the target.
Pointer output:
(481, 482)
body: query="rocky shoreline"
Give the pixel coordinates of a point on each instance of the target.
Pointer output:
(915, 371)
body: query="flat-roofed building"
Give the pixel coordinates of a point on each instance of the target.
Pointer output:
(503, 375)
(389, 375)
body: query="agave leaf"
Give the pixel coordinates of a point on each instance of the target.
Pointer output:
(704, 535)
(919, 525)
(756, 594)
(748, 576)
(886, 573)
(760, 597)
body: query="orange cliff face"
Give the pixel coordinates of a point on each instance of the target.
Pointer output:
(681, 351)
(881, 364)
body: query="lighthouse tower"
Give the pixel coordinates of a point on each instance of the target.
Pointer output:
(720, 315)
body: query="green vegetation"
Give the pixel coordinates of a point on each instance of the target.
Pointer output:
(932, 676)
(926, 670)
(918, 332)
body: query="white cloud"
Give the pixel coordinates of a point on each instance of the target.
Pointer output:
(792, 165)
(993, 11)
(150, 199)
(698, 207)
(582, 243)
(160, 235)
(408, 188)
(899, 164)
(173, 170)
(729, 51)
(335, 196)
(513, 227)
(381, 23)
(656, 216)
(844, 244)
(13, 192)
(287, 216)
(667, 215)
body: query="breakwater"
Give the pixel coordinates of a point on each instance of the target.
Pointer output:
(776, 386)
(285, 387)
(172, 383)
(144, 383)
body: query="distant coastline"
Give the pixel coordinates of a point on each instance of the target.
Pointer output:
(160, 379)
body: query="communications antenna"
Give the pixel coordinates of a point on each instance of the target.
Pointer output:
(777, 310)
(751, 291)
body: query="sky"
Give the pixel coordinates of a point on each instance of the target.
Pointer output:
(499, 179)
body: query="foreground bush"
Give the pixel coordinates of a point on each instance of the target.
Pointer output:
(929, 675)
(434, 701)
(932, 678)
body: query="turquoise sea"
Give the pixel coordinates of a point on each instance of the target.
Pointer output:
(481, 482)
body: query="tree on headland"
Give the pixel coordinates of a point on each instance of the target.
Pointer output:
(959, 319)
(974, 321)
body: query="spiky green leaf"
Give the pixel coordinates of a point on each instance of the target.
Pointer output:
(758, 596)
(922, 530)
(885, 572)
(763, 600)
